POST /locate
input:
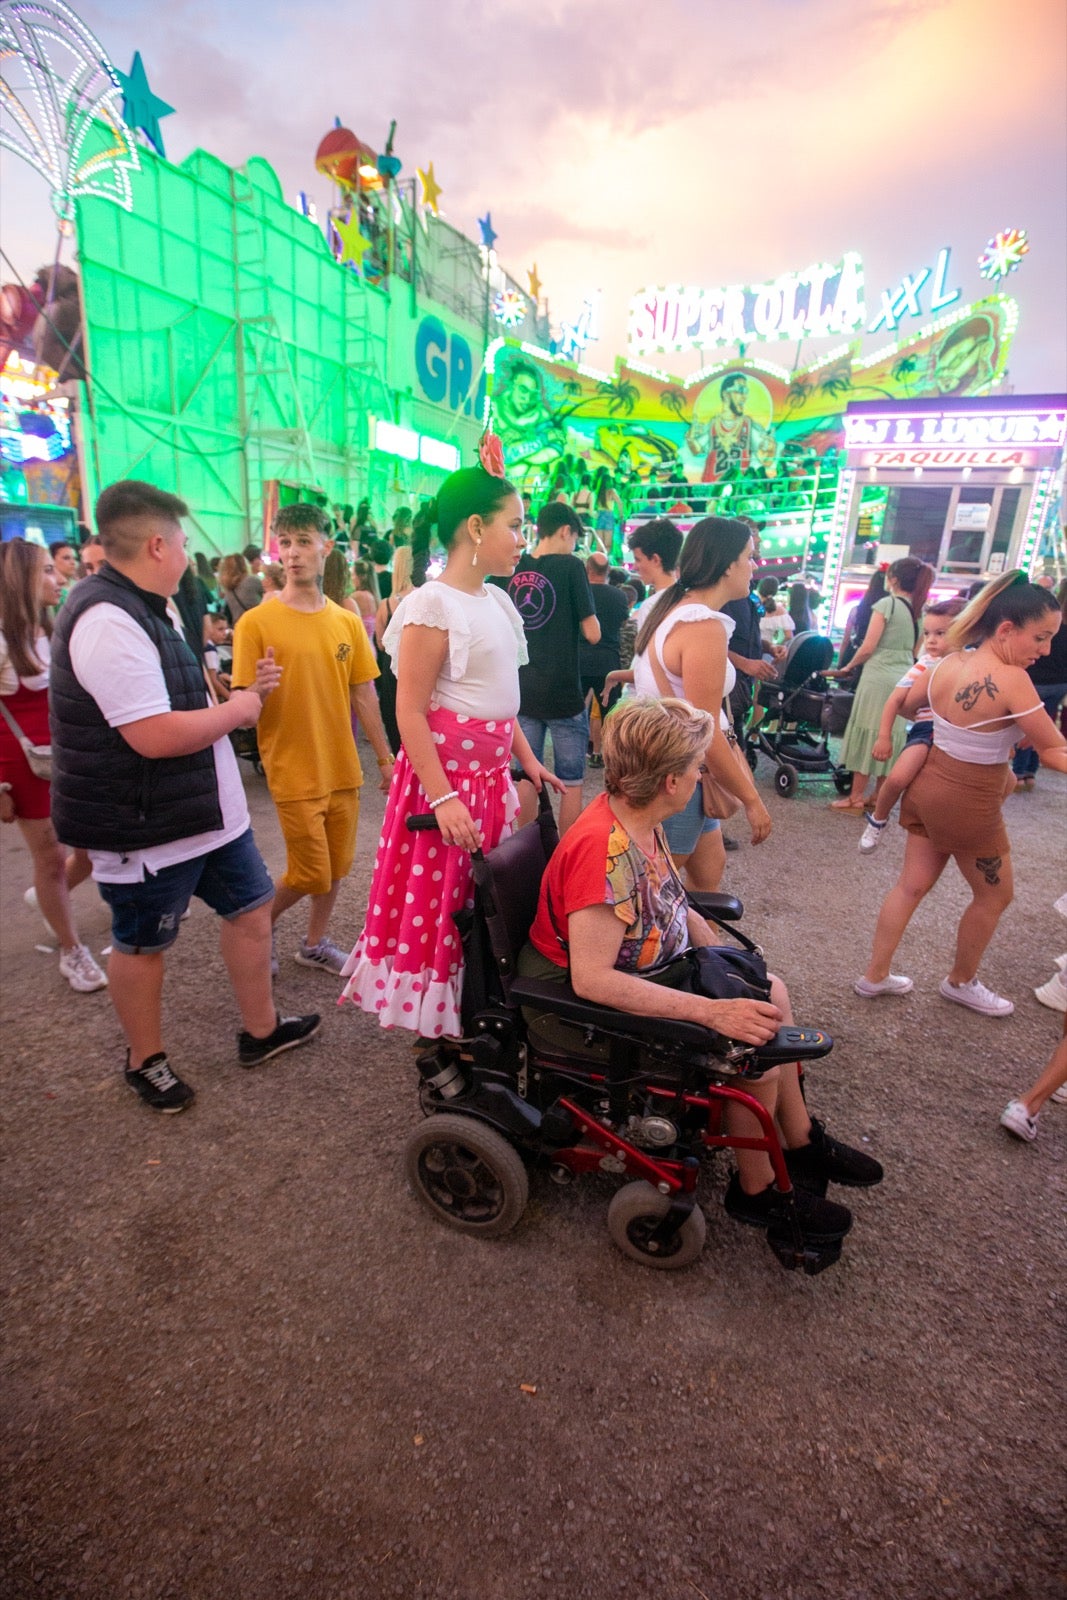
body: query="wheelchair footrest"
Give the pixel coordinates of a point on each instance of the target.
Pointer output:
(791, 1255)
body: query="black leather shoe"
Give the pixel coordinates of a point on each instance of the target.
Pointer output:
(826, 1160)
(821, 1221)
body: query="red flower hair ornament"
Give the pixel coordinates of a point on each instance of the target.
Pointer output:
(491, 454)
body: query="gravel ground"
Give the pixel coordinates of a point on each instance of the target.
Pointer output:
(240, 1362)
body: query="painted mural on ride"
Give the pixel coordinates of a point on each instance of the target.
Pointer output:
(745, 421)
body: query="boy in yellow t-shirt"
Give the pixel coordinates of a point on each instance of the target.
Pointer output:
(306, 744)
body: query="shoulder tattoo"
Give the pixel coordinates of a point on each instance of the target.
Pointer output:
(969, 696)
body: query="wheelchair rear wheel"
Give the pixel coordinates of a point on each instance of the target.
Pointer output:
(635, 1212)
(467, 1175)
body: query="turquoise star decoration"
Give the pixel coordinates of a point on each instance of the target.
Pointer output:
(141, 108)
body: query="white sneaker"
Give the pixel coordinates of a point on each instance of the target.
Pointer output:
(1053, 993)
(1018, 1121)
(81, 971)
(894, 984)
(977, 997)
(325, 955)
(1061, 962)
(1060, 1095)
(871, 837)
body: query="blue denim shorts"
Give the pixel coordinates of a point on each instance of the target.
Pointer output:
(570, 736)
(145, 916)
(921, 732)
(684, 829)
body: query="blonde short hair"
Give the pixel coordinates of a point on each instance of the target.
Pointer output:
(645, 740)
(403, 563)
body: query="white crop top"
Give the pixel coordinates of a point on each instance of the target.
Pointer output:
(645, 678)
(486, 647)
(9, 678)
(974, 744)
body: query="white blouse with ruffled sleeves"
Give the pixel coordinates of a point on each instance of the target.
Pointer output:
(486, 647)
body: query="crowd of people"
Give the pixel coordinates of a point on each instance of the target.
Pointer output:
(127, 666)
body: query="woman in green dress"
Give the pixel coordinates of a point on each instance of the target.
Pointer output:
(887, 652)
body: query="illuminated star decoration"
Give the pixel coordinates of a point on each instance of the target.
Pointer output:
(489, 233)
(509, 307)
(141, 108)
(354, 245)
(60, 97)
(431, 189)
(535, 283)
(1003, 253)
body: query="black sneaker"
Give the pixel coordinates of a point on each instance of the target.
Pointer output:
(826, 1160)
(821, 1221)
(289, 1032)
(158, 1086)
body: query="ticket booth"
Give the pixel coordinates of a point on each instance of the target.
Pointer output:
(966, 485)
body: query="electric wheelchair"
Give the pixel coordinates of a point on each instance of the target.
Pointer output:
(639, 1097)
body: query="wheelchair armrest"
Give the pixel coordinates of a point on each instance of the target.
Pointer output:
(723, 907)
(561, 1000)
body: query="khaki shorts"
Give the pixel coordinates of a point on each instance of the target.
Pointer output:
(320, 840)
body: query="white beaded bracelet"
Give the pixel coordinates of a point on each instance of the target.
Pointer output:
(453, 794)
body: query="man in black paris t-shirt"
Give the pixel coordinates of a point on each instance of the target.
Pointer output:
(551, 592)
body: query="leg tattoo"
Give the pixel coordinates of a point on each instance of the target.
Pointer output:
(989, 867)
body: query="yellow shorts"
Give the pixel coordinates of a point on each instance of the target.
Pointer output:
(320, 839)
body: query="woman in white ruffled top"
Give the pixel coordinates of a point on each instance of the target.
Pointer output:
(682, 651)
(456, 645)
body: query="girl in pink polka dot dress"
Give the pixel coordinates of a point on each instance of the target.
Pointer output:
(456, 645)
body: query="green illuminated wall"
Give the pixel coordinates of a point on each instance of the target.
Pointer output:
(228, 348)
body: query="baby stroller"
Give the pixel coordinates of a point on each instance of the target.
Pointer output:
(791, 734)
(649, 1108)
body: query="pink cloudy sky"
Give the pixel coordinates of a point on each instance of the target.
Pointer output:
(697, 141)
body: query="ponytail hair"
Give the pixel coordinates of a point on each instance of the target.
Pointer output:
(664, 602)
(1009, 598)
(914, 577)
(711, 547)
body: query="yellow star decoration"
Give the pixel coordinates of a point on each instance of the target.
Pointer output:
(354, 245)
(535, 283)
(431, 189)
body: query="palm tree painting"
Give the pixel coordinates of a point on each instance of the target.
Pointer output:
(838, 380)
(675, 401)
(621, 396)
(903, 370)
(799, 391)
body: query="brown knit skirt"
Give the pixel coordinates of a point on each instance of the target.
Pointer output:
(956, 805)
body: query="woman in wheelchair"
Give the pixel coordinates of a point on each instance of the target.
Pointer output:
(614, 919)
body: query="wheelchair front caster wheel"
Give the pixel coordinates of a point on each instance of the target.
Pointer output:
(635, 1213)
(467, 1175)
(785, 780)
